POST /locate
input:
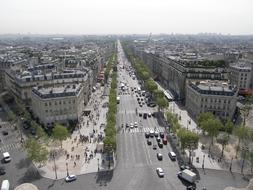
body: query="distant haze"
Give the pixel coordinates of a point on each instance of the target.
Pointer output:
(126, 16)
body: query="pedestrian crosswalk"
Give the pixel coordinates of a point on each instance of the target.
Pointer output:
(9, 147)
(142, 130)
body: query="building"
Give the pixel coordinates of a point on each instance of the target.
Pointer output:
(58, 104)
(216, 97)
(21, 84)
(241, 74)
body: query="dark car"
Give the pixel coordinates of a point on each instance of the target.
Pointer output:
(147, 134)
(149, 142)
(5, 133)
(154, 146)
(160, 145)
(140, 114)
(2, 170)
(162, 134)
(165, 141)
(127, 125)
(138, 99)
(145, 115)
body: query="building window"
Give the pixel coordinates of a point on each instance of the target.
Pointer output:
(49, 103)
(55, 103)
(46, 111)
(46, 104)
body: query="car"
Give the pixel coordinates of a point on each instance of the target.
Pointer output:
(152, 105)
(165, 141)
(127, 125)
(138, 99)
(160, 145)
(7, 157)
(172, 156)
(140, 105)
(149, 142)
(140, 114)
(131, 125)
(145, 116)
(2, 170)
(162, 134)
(183, 167)
(160, 172)
(153, 114)
(147, 134)
(154, 146)
(135, 124)
(151, 133)
(70, 178)
(5, 133)
(149, 114)
(158, 139)
(156, 134)
(159, 156)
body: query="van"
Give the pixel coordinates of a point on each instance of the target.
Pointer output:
(5, 185)
(7, 157)
(172, 156)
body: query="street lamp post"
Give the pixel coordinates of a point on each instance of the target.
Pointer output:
(203, 163)
(55, 166)
(67, 169)
(245, 150)
(230, 167)
(98, 164)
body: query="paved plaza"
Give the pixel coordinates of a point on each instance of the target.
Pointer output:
(82, 153)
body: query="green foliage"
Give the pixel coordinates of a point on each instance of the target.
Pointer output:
(203, 117)
(188, 139)
(229, 127)
(150, 85)
(162, 103)
(212, 127)
(110, 130)
(60, 133)
(159, 94)
(36, 151)
(223, 139)
(172, 119)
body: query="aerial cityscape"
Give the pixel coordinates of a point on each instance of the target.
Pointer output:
(129, 95)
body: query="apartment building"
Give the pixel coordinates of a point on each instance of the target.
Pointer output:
(58, 104)
(216, 97)
(241, 74)
(22, 83)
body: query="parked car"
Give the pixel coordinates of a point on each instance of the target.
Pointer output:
(159, 156)
(160, 172)
(70, 178)
(140, 114)
(149, 142)
(5, 185)
(165, 141)
(33, 131)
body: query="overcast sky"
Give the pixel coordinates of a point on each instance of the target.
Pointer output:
(126, 16)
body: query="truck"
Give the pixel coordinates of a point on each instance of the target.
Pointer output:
(118, 99)
(187, 175)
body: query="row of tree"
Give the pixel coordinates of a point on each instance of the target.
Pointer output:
(110, 130)
(145, 75)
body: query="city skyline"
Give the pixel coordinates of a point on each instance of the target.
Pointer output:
(126, 17)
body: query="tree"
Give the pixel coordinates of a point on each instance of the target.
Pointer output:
(242, 133)
(245, 109)
(159, 94)
(229, 127)
(145, 75)
(60, 133)
(188, 140)
(223, 139)
(36, 151)
(162, 103)
(151, 85)
(202, 118)
(212, 127)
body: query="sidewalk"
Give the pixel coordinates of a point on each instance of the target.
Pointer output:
(78, 154)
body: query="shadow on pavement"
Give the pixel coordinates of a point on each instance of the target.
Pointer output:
(104, 177)
(51, 185)
(24, 163)
(30, 175)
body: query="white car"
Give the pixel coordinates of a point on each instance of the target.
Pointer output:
(7, 157)
(149, 114)
(160, 172)
(151, 133)
(131, 125)
(135, 124)
(70, 178)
